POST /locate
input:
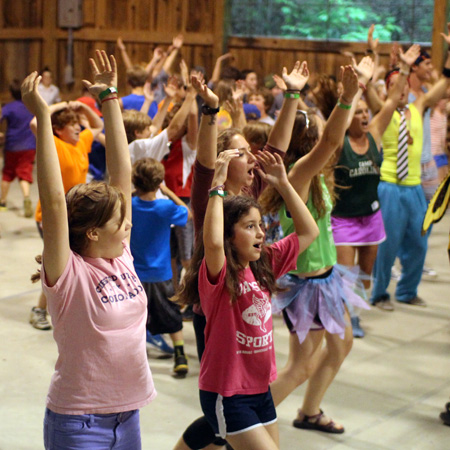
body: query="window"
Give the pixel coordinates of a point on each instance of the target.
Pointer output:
(348, 20)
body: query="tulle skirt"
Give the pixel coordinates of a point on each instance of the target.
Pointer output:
(306, 299)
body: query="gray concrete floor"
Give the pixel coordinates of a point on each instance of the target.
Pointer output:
(388, 394)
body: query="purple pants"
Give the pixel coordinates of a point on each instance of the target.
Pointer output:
(119, 431)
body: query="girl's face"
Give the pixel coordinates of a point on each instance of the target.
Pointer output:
(111, 235)
(248, 237)
(360, 120)
(240, 170)
(258, 101)
(251, 80)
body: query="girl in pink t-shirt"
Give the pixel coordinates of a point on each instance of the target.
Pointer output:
(95, 298)
(233, 275)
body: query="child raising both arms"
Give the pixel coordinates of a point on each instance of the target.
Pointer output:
(232, 275)
(96, 301)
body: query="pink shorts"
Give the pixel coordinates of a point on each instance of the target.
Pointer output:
(19, 164)
(358, 231)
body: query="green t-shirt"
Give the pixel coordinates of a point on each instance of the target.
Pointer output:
(322, 252)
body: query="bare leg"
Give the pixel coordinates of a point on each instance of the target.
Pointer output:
(331, 359)
(260, 438)
(346, 255)
(25, 186)
(366, 260)
(5, 190)
(181, 445)
(301, 363)
(178, 336)
(42, 303)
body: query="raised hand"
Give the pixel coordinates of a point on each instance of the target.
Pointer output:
(274, 171)
(349, 83)
(172, 87)
(279, 82)
(104, 71)
(297, 79)
(373, 44)
(447, 36)
(365, 68)
(158, 53)
(30, 95)
(177, 41)
(148, 93)
(221, 165)
(410, 55)
(208, 96)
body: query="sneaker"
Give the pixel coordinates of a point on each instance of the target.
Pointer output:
(181, 363)
(3, 206)
(27, 207)
(428, 273)
(358, 332)
(395, 273)
(156, 341)
(385, 305)
(416, 301)
(38, 318)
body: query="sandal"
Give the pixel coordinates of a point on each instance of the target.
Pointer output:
(313, 423)
(445, 416)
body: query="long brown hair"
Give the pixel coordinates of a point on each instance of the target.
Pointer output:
(305, 136)
(234, 208)
(89, 206)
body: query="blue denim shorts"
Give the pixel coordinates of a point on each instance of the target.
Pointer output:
(238, 413)
(119, 431)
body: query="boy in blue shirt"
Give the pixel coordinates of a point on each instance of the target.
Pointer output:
(150, 246)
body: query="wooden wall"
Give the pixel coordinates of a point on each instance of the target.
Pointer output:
(31, 39)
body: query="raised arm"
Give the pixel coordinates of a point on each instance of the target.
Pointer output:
(51, 190)
(169, 63)
(192, 126)
(280, 136)
(95, 124)
(176, 126)
(213, 224)
(158, 120)
(439, 88)
(311, 164)
(218, 67)
(275, 175)
(380, 122)
(157, 56)
(207, 133)
(123, 52)
(364, 71)
(118, 162)
(52, 109)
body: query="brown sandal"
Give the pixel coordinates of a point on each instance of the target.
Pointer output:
(313, 423)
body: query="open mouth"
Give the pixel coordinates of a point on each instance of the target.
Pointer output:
(258, 246)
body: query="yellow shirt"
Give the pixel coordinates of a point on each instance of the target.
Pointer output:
(390, 149)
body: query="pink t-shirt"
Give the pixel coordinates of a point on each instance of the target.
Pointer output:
(99, 312)
(239, 355)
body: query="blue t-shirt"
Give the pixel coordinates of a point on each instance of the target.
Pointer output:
(150, 237)
(134, 101)
(18, 135)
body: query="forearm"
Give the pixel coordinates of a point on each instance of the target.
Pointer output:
(178, 121)
(94, 120)
(161, 114)
(117, 155)
(373, 100)
(168, 65)
(192, 129)
(126, 59)
(304, 224)
(280, 136)
(207, 141)
(213, 225)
